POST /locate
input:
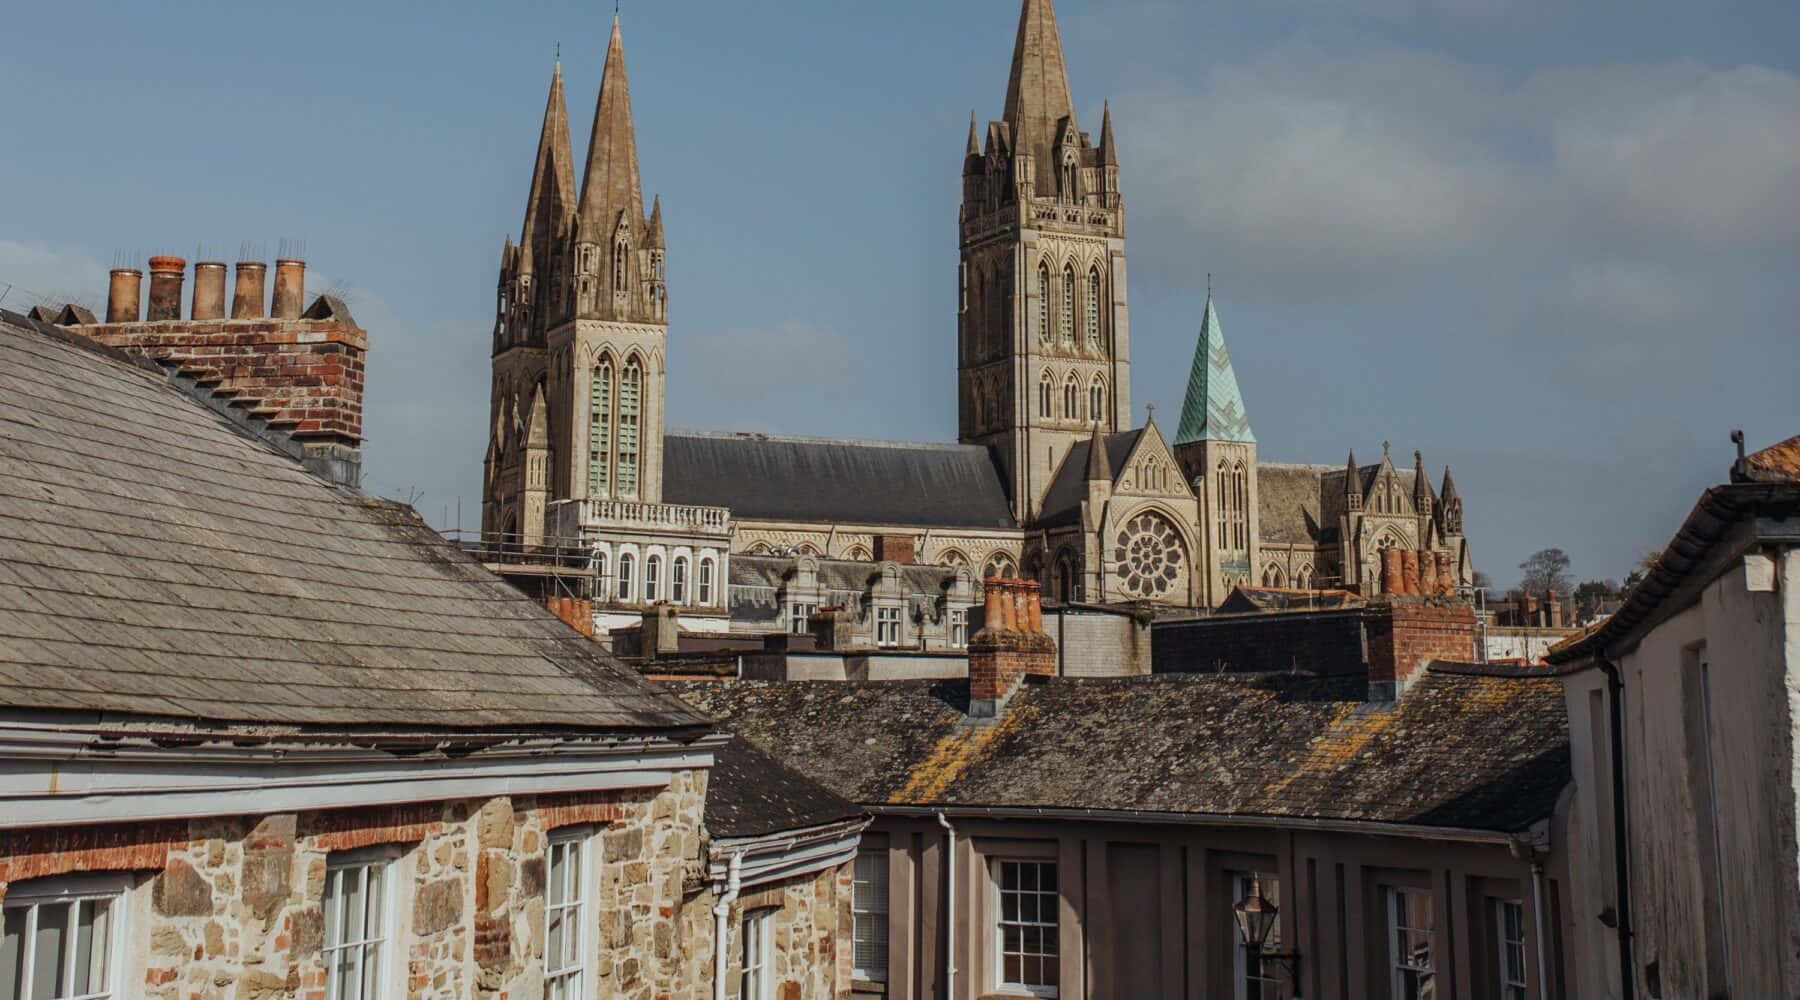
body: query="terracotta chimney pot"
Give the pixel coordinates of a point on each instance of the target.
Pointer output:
(247, 299)
(209, 290)
(123, 294)
(290, 289)
(165, 288)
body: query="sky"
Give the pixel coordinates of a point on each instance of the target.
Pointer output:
(1550, 243)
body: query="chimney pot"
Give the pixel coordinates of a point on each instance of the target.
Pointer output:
(290, 289)
(1034, 609)
(247, 299)
(123, 294)
(209, 290)
(165, 288)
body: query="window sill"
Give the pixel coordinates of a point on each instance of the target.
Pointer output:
(864, 988)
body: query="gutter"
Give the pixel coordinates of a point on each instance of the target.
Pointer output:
(1364, 827)
(774, 857)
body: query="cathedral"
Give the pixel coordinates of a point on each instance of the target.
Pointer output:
(1049, 479)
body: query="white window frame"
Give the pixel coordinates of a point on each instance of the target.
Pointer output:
(757, 964)
(959, 628)
(868, 871)
(678, 579)
(652, 578)
(1242, 976)
(800, 616)
(627, 566)
(1509, 988)
(582, 840)
(703, 587)
(889, 625)
(1397, 962)
(1053, 927)
(386, 945)
(33, 895)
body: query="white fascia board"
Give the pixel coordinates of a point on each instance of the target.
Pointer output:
(56, 777)
(778, 856)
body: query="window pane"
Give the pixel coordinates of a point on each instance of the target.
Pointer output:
(48, 951)
(12, 966)
(92, 937)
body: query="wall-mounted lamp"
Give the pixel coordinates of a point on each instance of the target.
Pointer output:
(1256, 918)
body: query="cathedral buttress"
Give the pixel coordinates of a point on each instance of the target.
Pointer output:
(1043, 333)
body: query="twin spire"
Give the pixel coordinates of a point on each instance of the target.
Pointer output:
(610, 190)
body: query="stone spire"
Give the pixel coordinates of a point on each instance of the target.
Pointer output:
(1421, 485)
(610, 186)
(552, 177)
(1452, 505)
(1214, 408)
(1352, 483)
(1037, 91)
(1109, 151)
(974, 145)
(1099, 467)
(655, 240)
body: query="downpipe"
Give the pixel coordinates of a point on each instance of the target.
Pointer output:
(949, 910)
(721, 922)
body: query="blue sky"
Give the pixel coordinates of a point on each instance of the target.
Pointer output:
(1550, 243)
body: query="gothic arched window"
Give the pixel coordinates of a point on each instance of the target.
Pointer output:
(1093, 309)
(600, 403)
(1222, 506)
(1000, 566)
(1044, 303)
(1240, 505)
(1066, 321)
(1071, 393)
(620, 253)
(631, 403)
(1097, 400)
(1045, 386)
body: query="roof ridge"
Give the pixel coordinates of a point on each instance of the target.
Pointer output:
(808, 439)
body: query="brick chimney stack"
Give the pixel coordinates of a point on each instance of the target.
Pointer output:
(166, 274)
(290, 288)
(298, 373)
(123, 295)
(209, 290)
(1010, 645)
(247, 299)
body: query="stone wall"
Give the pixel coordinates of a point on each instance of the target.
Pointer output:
(811, 953)
(232, 907)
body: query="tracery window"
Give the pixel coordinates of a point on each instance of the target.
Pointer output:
(631, 401)
(1149, 557)
(1000, 566)
(1044, 303)
(620, 252)
(1240, 506)
(1093, 309)
(1044, 389)
(1071, 393)
(600, 400)
(1221, 506)
(1097, 400)
(1066, 321)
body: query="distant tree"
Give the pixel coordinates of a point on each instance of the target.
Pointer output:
(1481, 581)
(1546, 570)
(1589, 595)
(1644, 565)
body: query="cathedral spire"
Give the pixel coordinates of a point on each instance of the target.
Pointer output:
(1421, 485)
(974, 146)
(1037, 91)
(1099, 468)
(553, 176)
(610, 185)
(1448, 493)
(1214, 408)
(655, 240)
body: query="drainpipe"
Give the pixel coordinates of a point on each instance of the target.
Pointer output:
(949, 911)
(721, 922)
(1537, 907)
(1615, 687)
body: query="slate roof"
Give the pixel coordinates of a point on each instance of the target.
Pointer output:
(1464, 747)
(752, 793)
(829, 480)
(1062, 501)
(1288, 502)
(157, 559)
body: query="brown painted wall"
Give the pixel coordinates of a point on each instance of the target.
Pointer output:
(1145, 910)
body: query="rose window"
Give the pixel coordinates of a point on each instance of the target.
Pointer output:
(1148, 557)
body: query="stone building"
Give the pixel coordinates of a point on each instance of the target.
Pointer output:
(1682, 719)
(1050, 478)
(266, 736)
(1091, 837)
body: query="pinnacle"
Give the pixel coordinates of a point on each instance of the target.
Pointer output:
(610, 185)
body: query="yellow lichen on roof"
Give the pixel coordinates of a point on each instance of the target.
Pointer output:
(953, 755)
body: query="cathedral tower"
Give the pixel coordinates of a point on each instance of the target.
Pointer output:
(1043, 337)
(1217, 452)
(581, 326)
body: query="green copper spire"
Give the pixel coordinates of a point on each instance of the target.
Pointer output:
(1214, 408)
